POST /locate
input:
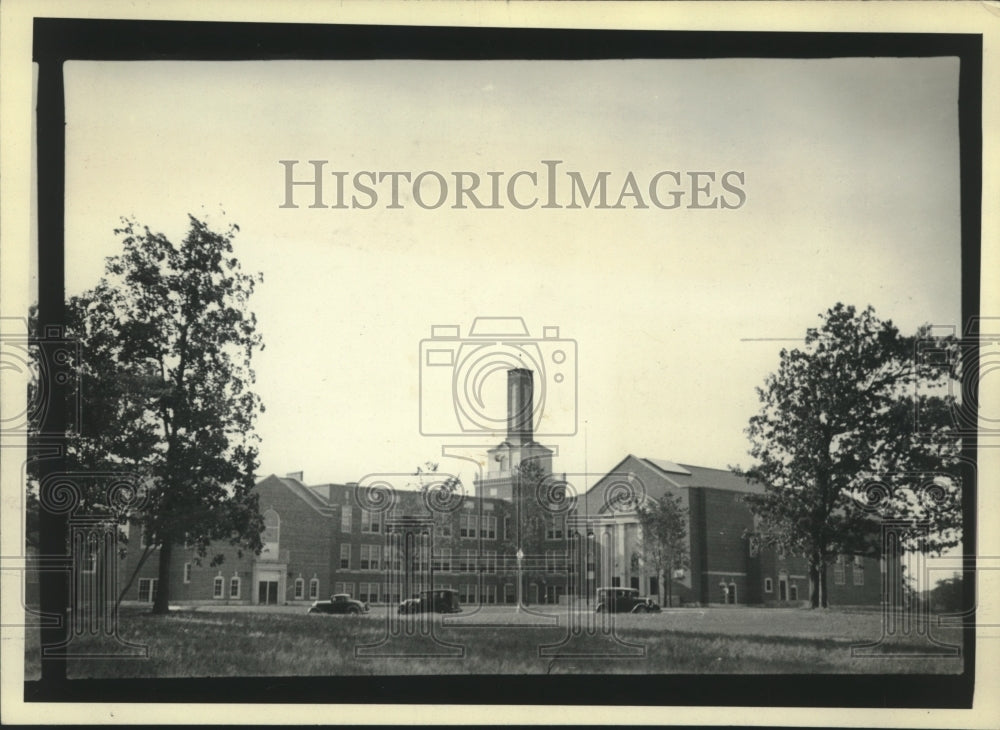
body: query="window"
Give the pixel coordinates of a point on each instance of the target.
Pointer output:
(443, 529)
(347, 588)
(490, 564)
(371, 521)
(420, 558)
(272, 528)
(467, 593)
(217, 586)
(368, 592)
(313, 589)
(346, 515)
(490, 527)
(147, 589)
(234, 587)
(469, 564)
(397, 560)
(859, 570)
(299, 588)
(467, 525)
(754, 546)
(187, 572)
(345, 556)
(794, 592)
(768, 585)
(554, 530)
(506, 528)
(554, 561)
(442, 560)
(370, 555)
(489, 594)
(839, 577)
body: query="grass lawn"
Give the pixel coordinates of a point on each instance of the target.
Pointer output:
(242, 641)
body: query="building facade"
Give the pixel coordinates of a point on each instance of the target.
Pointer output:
(381, 545)
(727, 564)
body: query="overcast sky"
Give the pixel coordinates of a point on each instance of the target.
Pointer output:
(850, 172)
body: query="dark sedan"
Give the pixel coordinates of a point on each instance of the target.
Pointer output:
(339, 603)
(624, 600)
(439, 600)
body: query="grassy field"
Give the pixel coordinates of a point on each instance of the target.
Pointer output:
(236, 641)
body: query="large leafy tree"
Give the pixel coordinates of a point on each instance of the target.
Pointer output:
(540, 501)
(167, 340)
(855, 428)
(664, 544)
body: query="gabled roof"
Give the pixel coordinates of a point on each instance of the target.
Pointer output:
(703, 476)
(306, 494)
(682, 476)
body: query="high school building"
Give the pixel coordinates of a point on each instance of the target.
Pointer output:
(382, 545)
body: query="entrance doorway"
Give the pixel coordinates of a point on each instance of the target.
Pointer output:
(267, 592)
(782, 589)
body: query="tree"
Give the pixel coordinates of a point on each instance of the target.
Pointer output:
(167, 342)
(539, 502)
(947, 596)
(663, 545)
(838, 448)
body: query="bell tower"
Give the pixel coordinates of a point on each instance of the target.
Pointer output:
(520, 444)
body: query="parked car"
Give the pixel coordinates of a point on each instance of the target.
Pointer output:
(439, 600)
(339, 603)
(624, 600)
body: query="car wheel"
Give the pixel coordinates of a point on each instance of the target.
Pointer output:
(600, 608)
(354, 611)
(640, 609)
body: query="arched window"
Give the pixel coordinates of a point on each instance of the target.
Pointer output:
(299, 586)
(768, 585)
(217, 587)
(234, 587)
(732, 593)
(271, 534)
(314, 588)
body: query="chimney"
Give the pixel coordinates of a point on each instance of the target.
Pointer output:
(520, 406)
(296, 475)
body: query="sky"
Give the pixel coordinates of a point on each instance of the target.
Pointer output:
(669, 318)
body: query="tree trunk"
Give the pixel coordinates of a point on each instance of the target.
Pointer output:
(814, 586)
(162, 600)
(824, 602)
(142, 561)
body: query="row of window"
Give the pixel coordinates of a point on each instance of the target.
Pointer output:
(468, 525)
(300, 586)
(373, 557)
(793, 589)
(857, 571)
(374, 592)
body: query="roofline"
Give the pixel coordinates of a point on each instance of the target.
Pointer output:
(288, 483)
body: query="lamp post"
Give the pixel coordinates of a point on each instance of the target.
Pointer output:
(520, 557)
